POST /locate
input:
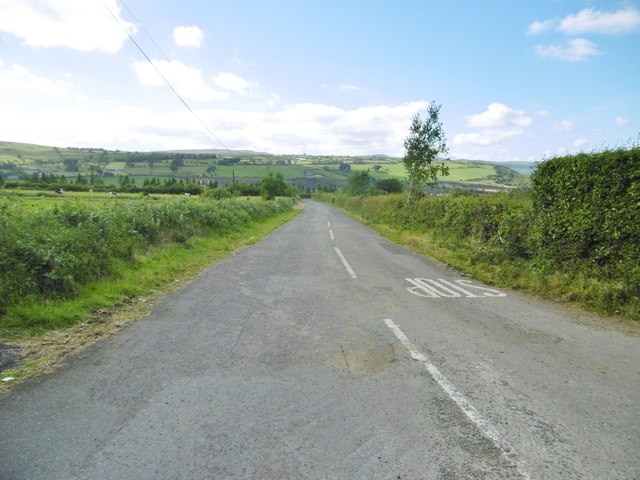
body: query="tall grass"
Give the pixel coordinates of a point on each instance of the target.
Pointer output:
(52, 252)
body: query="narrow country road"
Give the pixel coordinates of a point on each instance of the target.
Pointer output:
(325, 351)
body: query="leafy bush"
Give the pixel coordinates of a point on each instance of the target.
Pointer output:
(358, 183)
(389, 185)
(273, 186)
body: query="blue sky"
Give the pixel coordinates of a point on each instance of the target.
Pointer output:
(517, 80)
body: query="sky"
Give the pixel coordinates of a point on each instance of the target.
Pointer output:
(517, 80)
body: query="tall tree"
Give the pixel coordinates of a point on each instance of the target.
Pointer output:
(273, 186)
(425, 142)
(176, 163)
(358, 183)
(70, 164)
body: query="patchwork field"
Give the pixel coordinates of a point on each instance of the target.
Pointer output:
(23, 162)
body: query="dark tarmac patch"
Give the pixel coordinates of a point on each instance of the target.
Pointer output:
(394, 248)
(9, 355)
(364, 363)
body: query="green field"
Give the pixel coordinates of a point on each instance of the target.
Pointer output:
(20, 162)
(37, 199)
(258, 171)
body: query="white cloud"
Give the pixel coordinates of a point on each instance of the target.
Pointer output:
(573, 51)
(486, 137)
(498, 115)
(322, 129)
(189, 82)
(273, 99)
(349, 88)
(498, 123)
(17, 78)
(538, 27)
(542, 113)
(231, 81)
(622, 121)
(79, 25)
(593, 21)
(579, 142)
(564, 126)
(241, 62)
(590, 20)
(342, 88)
(587, 21)
(188, 36)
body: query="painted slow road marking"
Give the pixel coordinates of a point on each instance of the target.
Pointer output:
(469, 410)
(345, 263)
(430, 288)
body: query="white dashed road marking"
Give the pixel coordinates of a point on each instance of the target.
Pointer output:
(470, 411)
(345, 263)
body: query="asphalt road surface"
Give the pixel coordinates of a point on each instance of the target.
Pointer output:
(325, 351)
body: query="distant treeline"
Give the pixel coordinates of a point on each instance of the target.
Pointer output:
(92, 182)
(88, 154)
(95, 183)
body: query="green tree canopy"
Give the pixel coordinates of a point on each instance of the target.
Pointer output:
(390, 185)
(425, 142)
(70, 164)
(273, 186)
(176, 163)
(358, 183)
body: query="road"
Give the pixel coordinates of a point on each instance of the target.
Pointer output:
(325, 351)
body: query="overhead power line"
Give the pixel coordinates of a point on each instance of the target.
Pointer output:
(166, 57)
(184, 102)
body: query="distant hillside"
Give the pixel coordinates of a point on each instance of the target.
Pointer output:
(525, 168)
(25, 162)
(218, 151)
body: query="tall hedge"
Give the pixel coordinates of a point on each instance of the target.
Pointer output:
(589, 212)
(503, 221)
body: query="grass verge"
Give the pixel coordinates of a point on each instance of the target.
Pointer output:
(480, 262)
(47, 331)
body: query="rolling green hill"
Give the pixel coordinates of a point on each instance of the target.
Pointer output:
(20, 162)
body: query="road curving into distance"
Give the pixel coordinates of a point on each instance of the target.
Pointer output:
(326, 351)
